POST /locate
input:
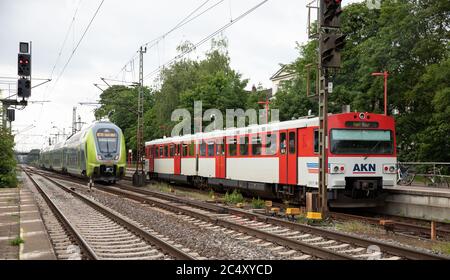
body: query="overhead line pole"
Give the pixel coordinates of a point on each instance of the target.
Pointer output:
(139, 174)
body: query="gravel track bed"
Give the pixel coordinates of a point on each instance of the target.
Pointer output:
(108, 239)
(63, 245)
(208, 243)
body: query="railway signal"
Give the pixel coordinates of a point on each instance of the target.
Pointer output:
(23, 65)
(23, 88)
(330, 50)
(330, 13)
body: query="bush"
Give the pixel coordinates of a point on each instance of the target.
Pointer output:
(258, 203)
(234, 198)
(7, 160)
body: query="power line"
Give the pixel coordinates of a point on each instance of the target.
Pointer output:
(65, 39)
(182, 23)
(207, 38)
(79, 42)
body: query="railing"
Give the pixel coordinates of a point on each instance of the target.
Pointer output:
(435, 174)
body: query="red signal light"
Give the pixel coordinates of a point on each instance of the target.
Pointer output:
(21, 61)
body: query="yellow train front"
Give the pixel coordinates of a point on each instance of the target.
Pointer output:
(97, 152)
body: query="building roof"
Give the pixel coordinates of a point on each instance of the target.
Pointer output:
(283, 73)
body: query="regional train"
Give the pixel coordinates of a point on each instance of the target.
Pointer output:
(96, 152)
(280, 160)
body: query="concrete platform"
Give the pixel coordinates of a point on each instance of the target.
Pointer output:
(37, 245)
(420, 202)
(9, 223)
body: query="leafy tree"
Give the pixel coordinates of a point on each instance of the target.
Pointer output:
(7, 160)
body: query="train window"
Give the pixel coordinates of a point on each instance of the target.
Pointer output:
(185, 150)
(203, 149)
(232, 147)
(211, 149)
(243, 146)
(271, 144)
(166, 150)
(171, 150)
(192, 149)
(219, 148)
(256, 145)
(283, 143)
(161, 151)
(292, 142)
(316, 141)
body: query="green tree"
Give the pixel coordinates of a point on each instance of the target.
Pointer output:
(119, 104)
(7, 160)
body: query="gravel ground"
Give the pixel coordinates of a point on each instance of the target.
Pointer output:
(206, 242)
(395, 239)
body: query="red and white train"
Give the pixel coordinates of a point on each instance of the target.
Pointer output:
(280, 160)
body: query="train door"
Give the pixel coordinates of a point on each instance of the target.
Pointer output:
(292, 157)
(151, 162)
(288, 157)
(177, 159)
(220, 158)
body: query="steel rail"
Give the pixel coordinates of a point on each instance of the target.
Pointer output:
(343, 237)
(90, 254)
(161, 244)
(293, 244)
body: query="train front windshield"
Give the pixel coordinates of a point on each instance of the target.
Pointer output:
(361, 141)
(107, 141)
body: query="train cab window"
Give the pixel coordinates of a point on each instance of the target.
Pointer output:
(192, 149)
(283, 143)
(316, 141)
(232, 146)
(185, 150)
(211, 149)
(203, 149)
(292, 143)
(270, 144)
(243, 146)
(256, 145)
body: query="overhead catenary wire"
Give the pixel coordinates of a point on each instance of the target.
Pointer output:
(152, 43)
(65, 39)
(79, 42)
(206, 39)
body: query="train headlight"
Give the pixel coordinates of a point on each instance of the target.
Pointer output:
(337, 168)
(389, 169)
(116, 157)
(99, 157)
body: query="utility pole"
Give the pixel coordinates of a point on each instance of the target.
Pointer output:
(385, 74)
(74, 120)
(139, 174)
(330, 45)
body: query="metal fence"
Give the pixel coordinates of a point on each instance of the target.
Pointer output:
(432, 174)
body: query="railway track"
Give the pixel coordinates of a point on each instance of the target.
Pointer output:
(394, 225)
(99, 232)
(312, 241)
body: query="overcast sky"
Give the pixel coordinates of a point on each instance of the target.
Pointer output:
(257, 45)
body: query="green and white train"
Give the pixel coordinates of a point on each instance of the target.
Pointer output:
(96, 152)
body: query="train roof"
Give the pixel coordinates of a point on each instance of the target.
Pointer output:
(275, 126)
(76, 137)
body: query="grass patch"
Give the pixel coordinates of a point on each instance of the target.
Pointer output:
(357, 227)
(234, 198)
(258, 203)
(443, 247)
(17, 241)
(302, 218)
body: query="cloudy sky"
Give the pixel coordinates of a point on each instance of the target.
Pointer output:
(257, 45)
